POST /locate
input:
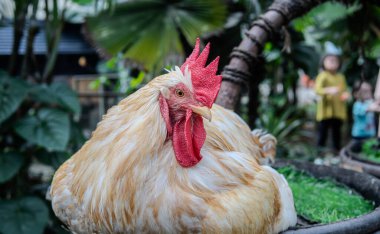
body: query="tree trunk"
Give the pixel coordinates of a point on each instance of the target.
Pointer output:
(244, 61)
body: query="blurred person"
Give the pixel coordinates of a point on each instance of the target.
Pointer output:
(363, 114)
(331, 87)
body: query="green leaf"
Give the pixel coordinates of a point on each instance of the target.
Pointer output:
(25, 216)
(54, 159)
(56, 93)
(111, 64)
(95, 84)
(42, 93)
(49, 128)
(83, 2)
(10, 164)
(137, 81)
(66, 97)
(151, 28)
(12, 92)
(325, 15)
(374, 51)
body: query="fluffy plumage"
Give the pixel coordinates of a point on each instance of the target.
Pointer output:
(127, 178)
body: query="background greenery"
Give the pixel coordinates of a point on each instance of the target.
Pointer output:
(39, 117)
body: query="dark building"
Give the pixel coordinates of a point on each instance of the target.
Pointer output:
(75, 55)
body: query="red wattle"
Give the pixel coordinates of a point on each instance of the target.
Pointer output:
(189, 136)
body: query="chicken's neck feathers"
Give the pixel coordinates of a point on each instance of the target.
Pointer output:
(129, 151)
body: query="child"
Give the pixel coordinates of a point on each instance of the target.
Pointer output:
(331, 107)
(363, 114)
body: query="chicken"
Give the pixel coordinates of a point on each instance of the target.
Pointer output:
(153, 165)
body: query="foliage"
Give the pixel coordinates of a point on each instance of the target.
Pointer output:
(324, 200)
(371, 150)
(37, 127)
(48, 128)
(286, 124)
(282, 68)
(326, 14)
(9, 102)
(24, 216)
(281, 126)
(152, 30)
(125, 83)
(353, 28)
(10, 164)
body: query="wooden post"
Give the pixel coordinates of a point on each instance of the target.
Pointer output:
(377, 98)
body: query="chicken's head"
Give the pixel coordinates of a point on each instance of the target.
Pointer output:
(185, 104)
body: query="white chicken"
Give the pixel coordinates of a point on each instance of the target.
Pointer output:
(154, 166)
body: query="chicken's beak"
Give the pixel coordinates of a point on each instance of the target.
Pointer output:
(202, 111)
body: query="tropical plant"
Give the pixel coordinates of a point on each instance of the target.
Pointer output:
(38, 126)
(153, 32)
(287, 126)
(126, 82)
(282, 68)
(38, 133)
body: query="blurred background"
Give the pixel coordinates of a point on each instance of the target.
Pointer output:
(63, 63)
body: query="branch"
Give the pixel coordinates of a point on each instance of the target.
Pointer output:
(29, 62)
(56, 26)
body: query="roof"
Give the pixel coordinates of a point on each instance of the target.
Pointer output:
(72, 41)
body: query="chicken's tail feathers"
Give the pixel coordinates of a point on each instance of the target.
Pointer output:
(267, 144)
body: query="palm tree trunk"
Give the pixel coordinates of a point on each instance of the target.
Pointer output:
(244, 61)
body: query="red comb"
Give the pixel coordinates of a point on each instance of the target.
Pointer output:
(206, 83)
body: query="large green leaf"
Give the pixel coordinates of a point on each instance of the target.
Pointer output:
(66, 96)
(56, 93)
(10, 164)
(149, 30)
(25, 216)
(12, 93)
(48, 128)
(54, 159)
(325, 15)
(42, 93)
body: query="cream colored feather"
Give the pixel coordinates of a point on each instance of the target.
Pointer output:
(125, 179)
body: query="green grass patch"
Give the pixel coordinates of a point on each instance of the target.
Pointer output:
(370, 150)
(324, 200)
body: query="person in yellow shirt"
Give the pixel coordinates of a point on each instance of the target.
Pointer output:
(331, 87)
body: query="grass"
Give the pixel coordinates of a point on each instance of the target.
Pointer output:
(323, 200)
(371, 150)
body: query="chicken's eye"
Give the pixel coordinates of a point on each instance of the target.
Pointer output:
(179, 93)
